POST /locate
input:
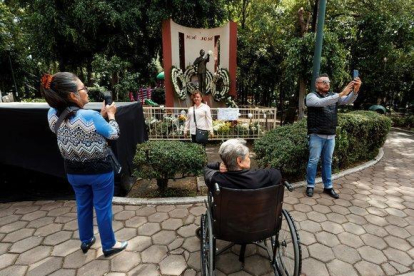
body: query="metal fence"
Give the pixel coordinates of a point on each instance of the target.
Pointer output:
(167, 123)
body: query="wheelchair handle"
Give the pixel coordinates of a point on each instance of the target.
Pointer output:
(288, 186)
(217, 188)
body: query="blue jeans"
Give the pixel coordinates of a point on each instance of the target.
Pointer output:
(320, 147)
(95, 190)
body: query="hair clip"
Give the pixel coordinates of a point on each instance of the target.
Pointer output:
(46, 80)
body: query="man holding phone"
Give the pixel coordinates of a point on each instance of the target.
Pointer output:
(322, 121)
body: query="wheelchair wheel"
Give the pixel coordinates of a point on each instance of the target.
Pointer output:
(288, 251)
(207, 246)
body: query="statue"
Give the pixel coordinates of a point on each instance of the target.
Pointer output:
(201, 69)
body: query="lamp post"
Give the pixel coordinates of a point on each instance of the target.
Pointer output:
(318, 42)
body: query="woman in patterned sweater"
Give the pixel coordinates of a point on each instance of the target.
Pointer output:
(82, 141)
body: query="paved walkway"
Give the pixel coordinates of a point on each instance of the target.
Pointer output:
(368, 231)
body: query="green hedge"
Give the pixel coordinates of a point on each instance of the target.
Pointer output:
(164, 160)
(402, 121)
(360, 134)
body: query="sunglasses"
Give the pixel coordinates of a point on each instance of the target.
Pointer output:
(325, 82)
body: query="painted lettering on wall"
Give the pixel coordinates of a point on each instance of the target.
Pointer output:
(202, 38)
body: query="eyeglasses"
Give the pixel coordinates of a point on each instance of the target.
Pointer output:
(84, 88)
(325, 82)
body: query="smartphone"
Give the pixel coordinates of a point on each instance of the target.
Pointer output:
(108, 97)
(355, 74)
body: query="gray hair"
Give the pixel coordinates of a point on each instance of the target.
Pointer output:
(230, 150)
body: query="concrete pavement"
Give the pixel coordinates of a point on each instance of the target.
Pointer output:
(368, 231)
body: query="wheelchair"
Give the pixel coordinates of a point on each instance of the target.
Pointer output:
(246, 217)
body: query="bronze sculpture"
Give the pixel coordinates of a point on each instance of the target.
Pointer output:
(200, 65)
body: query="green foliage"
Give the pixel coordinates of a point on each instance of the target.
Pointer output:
(67, 36)
(158, 95)
(383, 51)
(165, 160)
(402, 121)
(95, 93)
(35, 100)
(117, 44)
(14, 55)
(284, 148)
(299, 60)
(360, 134)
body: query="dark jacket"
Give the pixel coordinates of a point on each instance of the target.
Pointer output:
(323, 120)
(244, 179)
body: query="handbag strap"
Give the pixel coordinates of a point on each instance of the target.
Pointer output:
(195, 121)
(68, 111)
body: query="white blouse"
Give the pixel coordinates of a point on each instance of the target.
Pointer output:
(203, 117)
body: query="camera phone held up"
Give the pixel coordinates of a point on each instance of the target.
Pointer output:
(355, 74)
(108, 97)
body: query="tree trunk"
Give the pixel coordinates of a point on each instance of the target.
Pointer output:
(244, 13)
(302, 93)
(89, 72)
(162, 184)
(315, 16)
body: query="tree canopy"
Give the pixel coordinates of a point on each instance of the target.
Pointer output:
(117, 44)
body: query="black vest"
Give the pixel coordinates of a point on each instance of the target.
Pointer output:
(323, 120)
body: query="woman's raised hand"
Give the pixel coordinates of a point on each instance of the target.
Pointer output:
(111, 110)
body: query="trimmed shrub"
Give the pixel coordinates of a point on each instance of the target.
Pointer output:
(402, 121)
(285, 148)
(359, 136)
(165, 160)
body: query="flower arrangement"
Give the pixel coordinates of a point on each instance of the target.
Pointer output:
(221, 87)
(170, 124)
(221, 127)
(237, 128)
(179, 83)
(218, 84)
(182, 118)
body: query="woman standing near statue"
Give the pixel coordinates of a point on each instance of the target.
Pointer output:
(198, 117)
(82, 140)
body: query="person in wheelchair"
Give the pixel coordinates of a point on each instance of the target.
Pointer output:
(244, 207)
(234, 170)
